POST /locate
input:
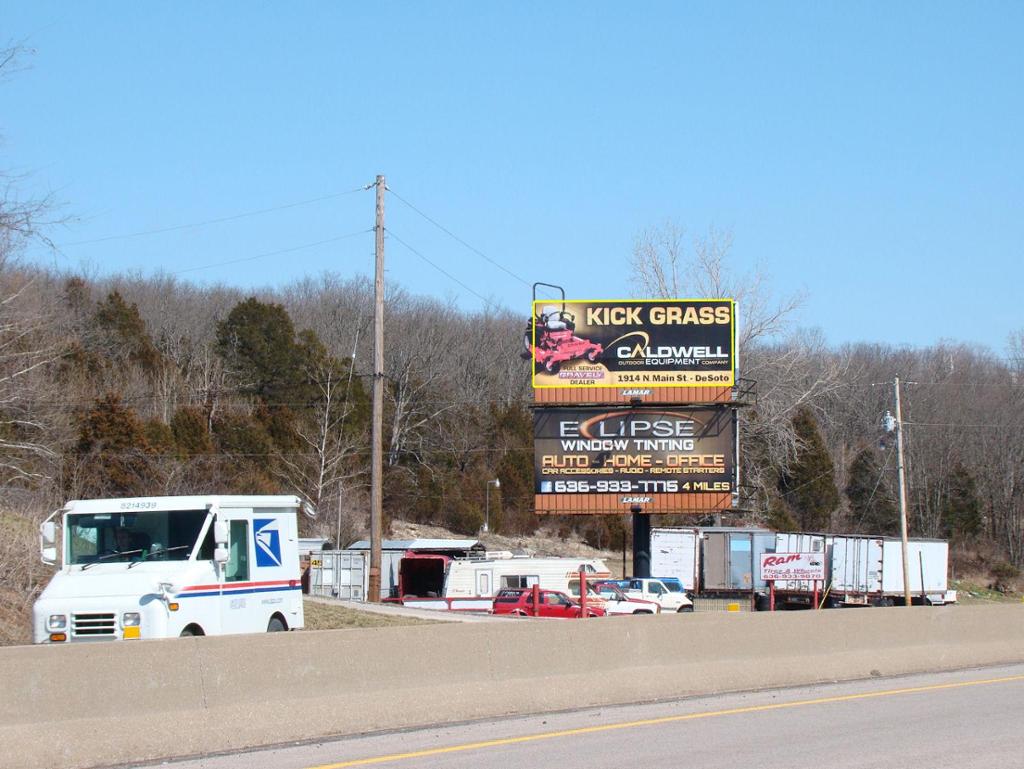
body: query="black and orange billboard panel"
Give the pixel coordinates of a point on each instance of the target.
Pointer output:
(612, 460)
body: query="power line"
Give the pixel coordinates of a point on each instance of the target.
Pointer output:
(456, 238)
(233, 217)
(273, 253)
(437, 267)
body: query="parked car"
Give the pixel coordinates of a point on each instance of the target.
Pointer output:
(674, 585)
(519, 602)
(654, 590)
(615, 601)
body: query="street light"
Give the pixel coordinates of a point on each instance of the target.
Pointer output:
(487, 508)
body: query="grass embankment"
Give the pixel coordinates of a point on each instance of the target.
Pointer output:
(324, 616)
(969, 592)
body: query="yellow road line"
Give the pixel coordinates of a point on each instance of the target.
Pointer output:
(661, 720)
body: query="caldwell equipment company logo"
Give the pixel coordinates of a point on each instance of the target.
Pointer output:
(268, 542)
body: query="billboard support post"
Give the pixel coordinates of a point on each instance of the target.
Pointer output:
(641, 543)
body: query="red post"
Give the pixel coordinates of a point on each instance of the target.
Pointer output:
(583, 594)
(771, 595)
(815, 594)
(536, 600)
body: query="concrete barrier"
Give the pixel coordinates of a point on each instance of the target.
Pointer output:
(99, 704)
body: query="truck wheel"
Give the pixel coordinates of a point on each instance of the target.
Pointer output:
(275, 625)
(684, 609)
(643, 611)
(192, 630)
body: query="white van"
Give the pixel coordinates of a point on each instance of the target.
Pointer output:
(161, 567)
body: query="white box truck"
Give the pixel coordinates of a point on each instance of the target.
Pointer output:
(160, 567)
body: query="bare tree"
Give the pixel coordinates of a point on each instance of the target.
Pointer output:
(790, 369)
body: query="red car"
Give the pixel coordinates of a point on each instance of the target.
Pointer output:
(519, 602)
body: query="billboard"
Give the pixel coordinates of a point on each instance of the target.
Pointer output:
(612, 460)
(632, 343)
(799, 566)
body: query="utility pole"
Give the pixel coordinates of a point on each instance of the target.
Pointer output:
(901, 471)
(377, 441)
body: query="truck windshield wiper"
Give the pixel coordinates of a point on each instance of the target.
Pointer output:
(157, 553)
(109, 556)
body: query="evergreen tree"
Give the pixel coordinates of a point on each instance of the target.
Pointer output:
(871, 507)
(191, 435)
(257, 342)
(779, 518)
(112, 452)
(961, 512)
(124, 333)
(809, 486)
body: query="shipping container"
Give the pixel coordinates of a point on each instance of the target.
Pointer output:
(676, 553)
(339, 574)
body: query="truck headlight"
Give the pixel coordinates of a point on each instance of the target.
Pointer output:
(130, 619)
(57, 622)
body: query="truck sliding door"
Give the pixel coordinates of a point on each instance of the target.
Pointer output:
(237, 610)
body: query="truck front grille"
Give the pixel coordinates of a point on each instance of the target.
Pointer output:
(84, 625)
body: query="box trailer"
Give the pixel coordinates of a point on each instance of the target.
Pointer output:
(730, 559)
(801, 591)
(675, 552)
(869, 571)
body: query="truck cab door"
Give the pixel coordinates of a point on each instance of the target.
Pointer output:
(236, 600)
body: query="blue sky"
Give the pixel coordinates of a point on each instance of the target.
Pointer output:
(869, 154)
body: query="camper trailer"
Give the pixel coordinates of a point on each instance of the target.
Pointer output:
(470, 584)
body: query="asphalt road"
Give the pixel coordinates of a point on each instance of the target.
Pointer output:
(964, 720)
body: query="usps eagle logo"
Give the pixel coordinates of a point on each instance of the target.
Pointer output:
(268, 542)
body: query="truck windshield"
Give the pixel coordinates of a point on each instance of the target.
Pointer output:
(132, 537)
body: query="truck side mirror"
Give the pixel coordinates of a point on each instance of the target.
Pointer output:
(48, 542)
(220, 555)
(220, 532)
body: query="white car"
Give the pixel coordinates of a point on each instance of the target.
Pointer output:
(617, 602)
(655, 590)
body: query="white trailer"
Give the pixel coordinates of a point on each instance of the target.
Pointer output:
(869, 570)
(801, 542)
(675, 553)
(158, 567)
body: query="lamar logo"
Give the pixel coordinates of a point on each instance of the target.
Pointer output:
(268, 542)
(635, 501)
(635, 393)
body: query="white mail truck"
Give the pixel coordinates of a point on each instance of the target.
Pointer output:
(161, 567)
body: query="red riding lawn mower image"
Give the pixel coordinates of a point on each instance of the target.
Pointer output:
(554, 327)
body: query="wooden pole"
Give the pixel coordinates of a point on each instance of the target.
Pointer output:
(902, 473)
(377, 440)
